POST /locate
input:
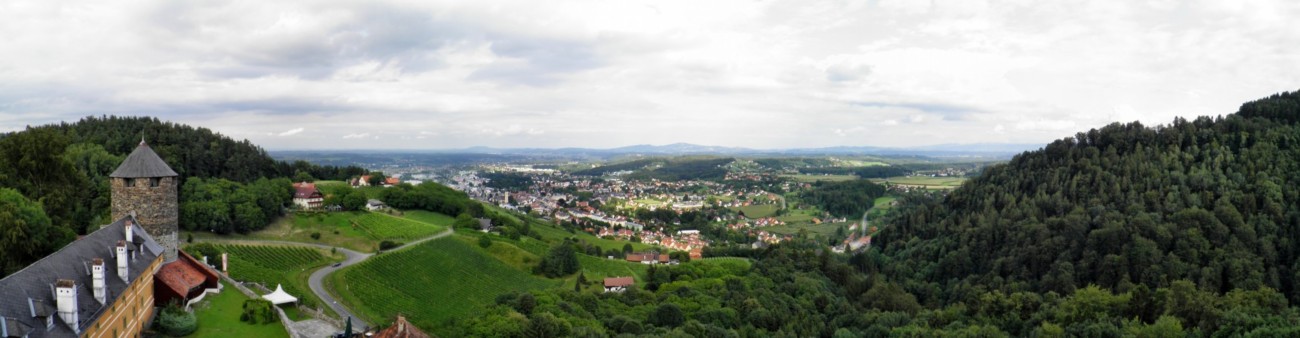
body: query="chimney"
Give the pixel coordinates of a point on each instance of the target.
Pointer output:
(129, 229)
(65, 291)
(122, 261)
(97, 279)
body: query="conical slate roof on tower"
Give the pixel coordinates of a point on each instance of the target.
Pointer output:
(143, 162)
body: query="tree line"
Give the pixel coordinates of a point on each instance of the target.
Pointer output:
(63, 169)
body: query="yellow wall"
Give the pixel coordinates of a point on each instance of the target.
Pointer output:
(131, 312)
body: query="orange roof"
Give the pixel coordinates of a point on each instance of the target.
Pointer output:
(401, 329)
(180, 276)
(392, 181)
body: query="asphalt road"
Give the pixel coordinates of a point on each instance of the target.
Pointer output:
(315, 281)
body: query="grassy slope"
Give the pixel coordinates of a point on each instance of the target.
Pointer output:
(218, 316)
(299, 227)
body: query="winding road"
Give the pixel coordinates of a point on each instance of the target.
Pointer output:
(317, 278)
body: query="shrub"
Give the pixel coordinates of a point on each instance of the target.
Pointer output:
(484, 242)
(385, 245)
(315, 235)
(258, 311)
(175, 321)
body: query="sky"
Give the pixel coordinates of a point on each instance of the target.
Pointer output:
(601, 74)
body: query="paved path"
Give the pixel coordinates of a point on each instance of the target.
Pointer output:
(317, 278)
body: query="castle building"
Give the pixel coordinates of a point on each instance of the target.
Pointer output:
(109, 282)
(145, 187)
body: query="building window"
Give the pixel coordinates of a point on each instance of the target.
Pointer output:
(130, 182)
(153, 182)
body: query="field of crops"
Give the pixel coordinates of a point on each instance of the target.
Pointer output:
(381, 226)
(758, 211)
(271, 265)
(428, 217)
(595, 268)
(430, 283)
(802, 178)
(925, 181)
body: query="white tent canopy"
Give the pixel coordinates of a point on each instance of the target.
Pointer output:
(279, 296)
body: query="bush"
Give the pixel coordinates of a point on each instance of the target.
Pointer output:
(315, 235)
(385, 245)
(175, 321)
(258, 311)
(484, 242)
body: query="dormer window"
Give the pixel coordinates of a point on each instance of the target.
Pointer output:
(153, 182)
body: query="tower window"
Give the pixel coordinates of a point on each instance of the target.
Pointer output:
(153, 182)
(130, 182)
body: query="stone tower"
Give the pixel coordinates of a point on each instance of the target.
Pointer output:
(145, 186)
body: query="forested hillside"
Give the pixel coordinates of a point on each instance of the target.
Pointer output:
(63, 170)
(1211, 201)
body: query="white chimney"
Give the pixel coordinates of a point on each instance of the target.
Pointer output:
(97, 279)
(65, 291)
(122, 261)
(129, 227)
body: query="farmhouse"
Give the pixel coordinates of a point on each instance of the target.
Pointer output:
(618, 284)
(108, 283)
(306, 196)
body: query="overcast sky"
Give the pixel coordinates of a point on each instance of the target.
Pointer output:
(760, 74)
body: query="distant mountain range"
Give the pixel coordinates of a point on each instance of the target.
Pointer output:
(946, 150)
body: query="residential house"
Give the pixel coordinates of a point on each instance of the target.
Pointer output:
(306, 196)
(618, 284)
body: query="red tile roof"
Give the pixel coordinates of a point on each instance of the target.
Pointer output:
(305, 190)
(618, 282)
(401, 329)
(180, 276)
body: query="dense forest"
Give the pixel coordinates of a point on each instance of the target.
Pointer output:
(1210, 203)
(844, 199)
(666, 169)
(63, 169)
(685, 170)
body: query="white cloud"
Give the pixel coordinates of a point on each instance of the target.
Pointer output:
(604, 74)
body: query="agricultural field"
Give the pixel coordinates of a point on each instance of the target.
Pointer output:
(799, 216)
(357, 230)
(504, 251)
(824, 229)
(218, 317)
(334, 229)
(935, 183)
(428, 217)
(596, 268)
(647, 202)
(383, 226)
(270, 265)
(553, 233)
(758, 210)
(429, 283)
(809, 178)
